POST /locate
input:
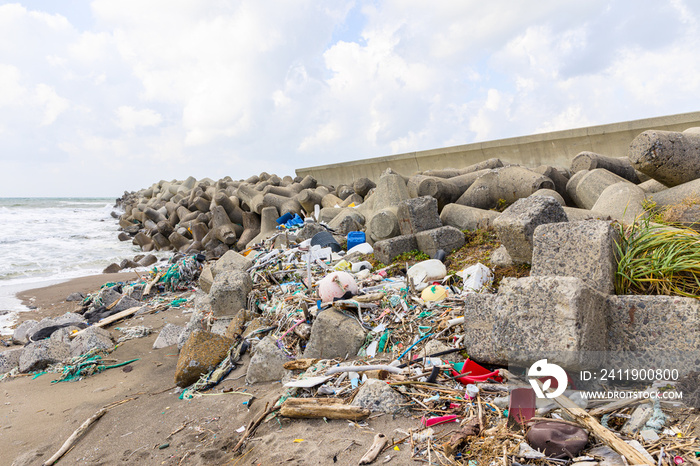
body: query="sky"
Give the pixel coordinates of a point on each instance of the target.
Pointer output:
(101, 97)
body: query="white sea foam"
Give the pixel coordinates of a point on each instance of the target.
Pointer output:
(54, 240)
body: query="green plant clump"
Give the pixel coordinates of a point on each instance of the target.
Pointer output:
(658, 259)
(412, 255)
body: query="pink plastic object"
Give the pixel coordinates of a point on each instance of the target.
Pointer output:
(678, 460)
(433, 421)
(522, 405)
(335, 285)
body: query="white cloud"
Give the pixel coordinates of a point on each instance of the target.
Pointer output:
(130, 118)
(234, 87)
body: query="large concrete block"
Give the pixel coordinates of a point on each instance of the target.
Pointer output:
(334, 335)
(673, 158)
(231, 262)
(418, 214)
(677, 194)
(536, 317)
(229, 293)
(503, 184)
(622, 202)
(386, 250)
(585, 186)
(445, 238)
(654, 332)
(41, 354)
(621, 166)
(467, 218)
(584, 249)
(516, 225)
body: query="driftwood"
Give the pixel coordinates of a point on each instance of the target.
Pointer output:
(458, 439)
(110, 319)
(269, 409)
(68, 444)
(150, 284)
(378, 445)
(330, 408)
(582, 418)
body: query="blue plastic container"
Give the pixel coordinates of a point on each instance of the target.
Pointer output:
(355, 238)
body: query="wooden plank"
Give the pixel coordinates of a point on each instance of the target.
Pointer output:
(310, 408)
(110, 319)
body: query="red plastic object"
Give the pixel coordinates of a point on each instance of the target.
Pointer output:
(475, 373)
(433, 421)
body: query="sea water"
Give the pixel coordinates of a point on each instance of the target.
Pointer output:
(49, 240)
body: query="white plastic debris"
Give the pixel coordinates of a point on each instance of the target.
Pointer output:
(426, 272)
(476, 277)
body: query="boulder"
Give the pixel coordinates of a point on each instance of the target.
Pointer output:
(334, 335)
(202, 352)
(266, 362)
(621, 166)
(584, 249)
(20, 335)
(91, 338)
(379, 397)
(500, 257)
(9, 359)
(39, 355)
(507, 184)
(585, 187)
(202, 307)
(516, 225)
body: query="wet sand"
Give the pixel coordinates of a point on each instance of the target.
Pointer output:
(37, 416)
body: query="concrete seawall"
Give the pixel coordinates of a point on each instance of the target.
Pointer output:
(557, 148)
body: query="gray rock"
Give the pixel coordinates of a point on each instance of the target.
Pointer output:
(112, 268)
(344, 224)
(445, 238)
(418, 214)
(516, 225)
(231, 262)
(560, 318)
(9, 359)
(116, 301)
(229, 292)
(168, 336)
(652, 186)
(621, 201)
(575, 214)
(40, 354)
(500, 257)
(586, 250)
(390, 190)
(444, 191)
(673, 158)
(386, 250)
(377, 396)
(147, 260)
(266, 363)
(467, 218)
(309, 230)
(91, 338)
(19, 336)
(334, 335)
(75, 297)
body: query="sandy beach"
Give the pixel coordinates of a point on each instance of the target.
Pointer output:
(38, 415)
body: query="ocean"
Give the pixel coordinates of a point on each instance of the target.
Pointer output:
(49, 240)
